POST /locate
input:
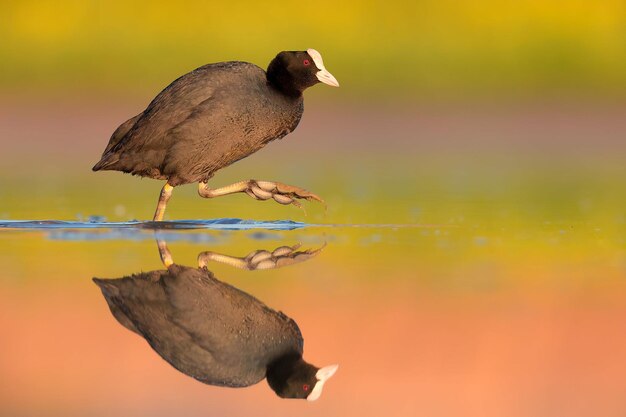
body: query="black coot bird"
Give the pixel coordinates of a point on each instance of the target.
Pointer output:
(214, 332)
(212, 117)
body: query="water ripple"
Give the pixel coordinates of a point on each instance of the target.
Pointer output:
(211, 224)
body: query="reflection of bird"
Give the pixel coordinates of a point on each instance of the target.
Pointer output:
(259, 259)
(212, 117)
(214, 332)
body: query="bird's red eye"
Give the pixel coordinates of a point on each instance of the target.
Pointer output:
(305, 387)
(306, 62)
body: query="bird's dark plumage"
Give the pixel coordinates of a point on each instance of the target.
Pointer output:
(210, 330)
(212, 117)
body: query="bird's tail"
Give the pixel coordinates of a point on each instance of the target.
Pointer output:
(107, 162)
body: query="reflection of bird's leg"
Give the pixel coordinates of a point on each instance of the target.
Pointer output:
(164, 253)
(261, 259)
(261, 190)
(166, 193)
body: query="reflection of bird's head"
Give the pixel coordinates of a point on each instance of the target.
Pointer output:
(292, 377)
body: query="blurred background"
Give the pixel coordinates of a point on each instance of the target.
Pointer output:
(481, 145)
(439, 101)
(422, 50)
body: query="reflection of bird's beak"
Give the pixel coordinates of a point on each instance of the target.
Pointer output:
(322, 376)
(323, 75)
(327, 78)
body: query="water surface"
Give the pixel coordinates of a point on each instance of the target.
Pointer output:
(435, 320)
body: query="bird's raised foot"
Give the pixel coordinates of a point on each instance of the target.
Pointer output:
(279, 192)
(263, 190)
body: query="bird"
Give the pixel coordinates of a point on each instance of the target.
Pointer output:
(211, 118)
(213, 331)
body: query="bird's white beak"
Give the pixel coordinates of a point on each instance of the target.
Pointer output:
(327, 78)
(322, 376)
(323, 75)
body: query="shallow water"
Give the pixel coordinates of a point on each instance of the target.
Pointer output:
(463, 277)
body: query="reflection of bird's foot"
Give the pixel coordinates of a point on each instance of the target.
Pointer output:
(262, 190)
(261, 259)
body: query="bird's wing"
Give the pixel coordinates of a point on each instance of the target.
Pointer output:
(176, 103)
(219, 132)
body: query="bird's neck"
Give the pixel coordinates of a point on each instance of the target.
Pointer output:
(280, 79)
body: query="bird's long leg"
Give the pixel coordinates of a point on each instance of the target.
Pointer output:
(261, 259)
(261, 190)
(166, 193)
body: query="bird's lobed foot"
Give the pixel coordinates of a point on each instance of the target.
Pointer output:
(262, 190)
(279, 192)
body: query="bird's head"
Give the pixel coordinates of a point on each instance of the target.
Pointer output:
(294, 71)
